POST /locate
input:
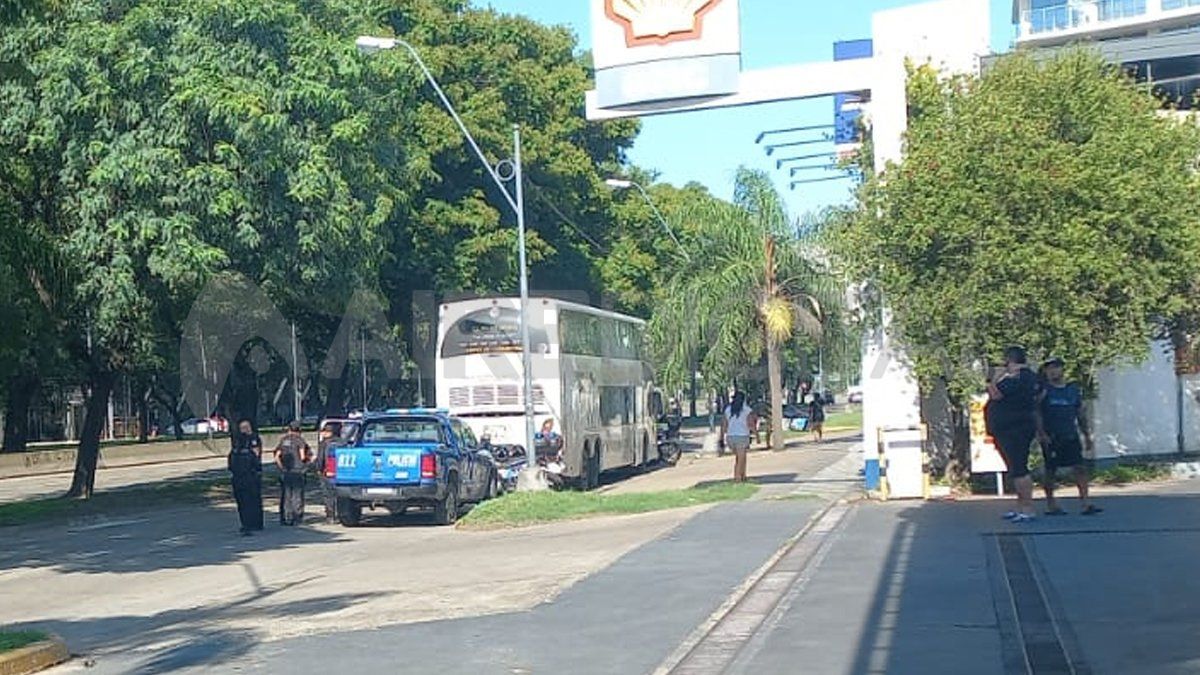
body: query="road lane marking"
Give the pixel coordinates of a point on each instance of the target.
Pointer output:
(107, 524)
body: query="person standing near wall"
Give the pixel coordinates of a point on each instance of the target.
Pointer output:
(1061, 423)
(1012, 421)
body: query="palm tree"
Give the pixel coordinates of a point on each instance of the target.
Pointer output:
(753, 282)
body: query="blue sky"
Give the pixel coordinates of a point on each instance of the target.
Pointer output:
(709, 146)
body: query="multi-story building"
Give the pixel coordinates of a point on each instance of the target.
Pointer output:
(1158, 41)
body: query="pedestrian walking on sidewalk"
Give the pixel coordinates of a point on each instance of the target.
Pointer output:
(245, 465)
(1012, 421)
(292, 456)
(1061, 423)
(816, 417)
(736, 427)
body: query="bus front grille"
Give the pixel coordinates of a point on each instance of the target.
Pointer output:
(503, 395)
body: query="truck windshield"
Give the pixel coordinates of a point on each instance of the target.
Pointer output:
(402, 431)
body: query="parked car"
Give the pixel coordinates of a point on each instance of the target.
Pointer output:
(403, 459)
(197, 425)
(854, 395)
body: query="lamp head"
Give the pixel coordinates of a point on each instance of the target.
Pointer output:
(369, 45)
(618, 183)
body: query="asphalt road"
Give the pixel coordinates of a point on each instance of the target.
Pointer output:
(177, 591)
(626, 618)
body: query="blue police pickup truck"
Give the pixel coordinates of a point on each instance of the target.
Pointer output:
(403, 459)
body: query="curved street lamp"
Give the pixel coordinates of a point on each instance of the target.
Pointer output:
(516, 200)
(624, 184)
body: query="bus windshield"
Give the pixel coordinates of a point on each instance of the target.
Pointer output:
(490, 331)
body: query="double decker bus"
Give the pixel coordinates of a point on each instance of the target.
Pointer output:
(590, 380)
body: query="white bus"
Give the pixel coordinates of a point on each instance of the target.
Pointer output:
(590, 379)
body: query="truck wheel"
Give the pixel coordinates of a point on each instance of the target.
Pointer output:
(349, 512)
(494, 487)
(446, 511)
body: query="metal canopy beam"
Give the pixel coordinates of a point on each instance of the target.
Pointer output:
(770, 85)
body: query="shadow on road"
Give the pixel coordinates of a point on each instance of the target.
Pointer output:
(178, 639)
(152, 539)
(959, 590)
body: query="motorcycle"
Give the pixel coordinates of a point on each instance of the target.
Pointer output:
(510, 460)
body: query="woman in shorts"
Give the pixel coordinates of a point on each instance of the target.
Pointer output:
(736, 427)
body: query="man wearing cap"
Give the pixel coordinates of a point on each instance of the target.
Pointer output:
(1061, 422)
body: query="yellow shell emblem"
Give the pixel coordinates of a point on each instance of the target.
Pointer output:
(659, 21)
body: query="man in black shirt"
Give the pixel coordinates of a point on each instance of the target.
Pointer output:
(1012, 420)
(1060, 423)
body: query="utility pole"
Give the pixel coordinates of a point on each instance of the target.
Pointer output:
(295, 377)
(362, 335)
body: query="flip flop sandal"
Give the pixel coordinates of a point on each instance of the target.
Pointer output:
(1091, 510)
(1056, 512)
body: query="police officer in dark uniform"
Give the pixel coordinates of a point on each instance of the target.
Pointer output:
(328, 440)
(292, 456)
(245, 464)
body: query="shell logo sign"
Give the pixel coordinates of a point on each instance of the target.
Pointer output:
(659, 22)
(653, 52)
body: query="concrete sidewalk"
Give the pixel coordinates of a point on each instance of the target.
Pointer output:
(910, 587)
(121, 467)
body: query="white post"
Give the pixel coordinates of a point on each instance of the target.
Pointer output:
(999, 484)
(526, 362)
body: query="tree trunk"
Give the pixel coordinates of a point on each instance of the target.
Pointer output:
(775, 377)
(88, 455)
(692, 406)
(143, 416)
(171, 403)
(16, 411)
(948, 425)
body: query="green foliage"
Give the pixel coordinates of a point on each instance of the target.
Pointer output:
(10, 640)
(748, 267)
(1125, 474)
(1047, 204)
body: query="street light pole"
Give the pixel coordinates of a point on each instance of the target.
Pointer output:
(515, 201)
(526, 361)
(623, 184)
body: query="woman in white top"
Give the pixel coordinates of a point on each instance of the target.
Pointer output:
(735, 431)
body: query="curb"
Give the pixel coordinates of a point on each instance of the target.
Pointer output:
(835, 509)
(34, 657)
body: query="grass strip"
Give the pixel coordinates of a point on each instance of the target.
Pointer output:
(10, 640)
(530, 508)
(1125, 474)
(167, 493)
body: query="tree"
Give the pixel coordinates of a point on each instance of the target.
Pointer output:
(755, 286)
(1046, 203)
(159, 143)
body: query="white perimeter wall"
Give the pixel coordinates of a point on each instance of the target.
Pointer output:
(1136, 410)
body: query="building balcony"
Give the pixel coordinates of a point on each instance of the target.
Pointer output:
(1058, 22)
